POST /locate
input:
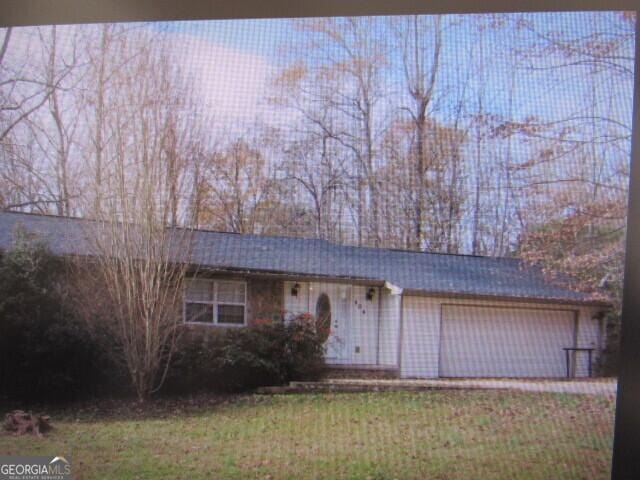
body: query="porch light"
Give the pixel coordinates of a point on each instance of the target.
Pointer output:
(370, 293)
(295, 289)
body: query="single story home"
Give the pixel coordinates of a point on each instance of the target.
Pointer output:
(412, 314)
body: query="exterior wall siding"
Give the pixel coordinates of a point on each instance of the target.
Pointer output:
(364, 327)
(296, 305)
(420, 337)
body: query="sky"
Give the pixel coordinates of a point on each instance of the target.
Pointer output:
(235, 61)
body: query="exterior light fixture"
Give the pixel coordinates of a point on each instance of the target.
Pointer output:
(295, 289)
(370, 293)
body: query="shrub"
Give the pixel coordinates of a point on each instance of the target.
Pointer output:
(305, 350)
(45, 354)
(609, 361)
(191, 367)
(267, 353)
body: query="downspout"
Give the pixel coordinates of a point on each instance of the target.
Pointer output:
(400, 333)
(379, 323)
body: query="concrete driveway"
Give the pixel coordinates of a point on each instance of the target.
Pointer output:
(584, 386)
(607, 387)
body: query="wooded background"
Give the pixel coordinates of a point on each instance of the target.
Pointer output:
(503, 135)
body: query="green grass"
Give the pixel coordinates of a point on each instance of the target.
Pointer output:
(434, 435)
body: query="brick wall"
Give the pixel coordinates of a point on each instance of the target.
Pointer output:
(265, 299)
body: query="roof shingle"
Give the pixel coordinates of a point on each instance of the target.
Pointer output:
(416, 271)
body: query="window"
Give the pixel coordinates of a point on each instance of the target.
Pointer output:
(231, 314)
(215, 302)
(199, 312)
(231, 300)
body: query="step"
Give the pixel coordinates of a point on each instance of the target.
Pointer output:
(358, 386)
(346, 386)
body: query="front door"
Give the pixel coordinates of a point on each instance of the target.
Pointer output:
(330, 304)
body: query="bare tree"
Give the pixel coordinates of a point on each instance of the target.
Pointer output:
(142, 237)
(340, 94)
(420, 39)
(54, 129)
(316, 168)
(24, 89)
(240, 190)
(99, 68)
(28, 82)
(139, 266)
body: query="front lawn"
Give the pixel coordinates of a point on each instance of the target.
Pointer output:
(431, 435)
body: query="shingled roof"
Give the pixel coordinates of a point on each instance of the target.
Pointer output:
(432, 273)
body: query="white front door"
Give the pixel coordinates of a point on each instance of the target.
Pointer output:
(331, 302)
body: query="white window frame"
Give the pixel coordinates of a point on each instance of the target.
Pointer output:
(243, 304)
(214, 303)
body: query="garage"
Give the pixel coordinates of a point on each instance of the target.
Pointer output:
(486, 341)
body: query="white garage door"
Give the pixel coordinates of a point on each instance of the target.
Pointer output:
(504, 342)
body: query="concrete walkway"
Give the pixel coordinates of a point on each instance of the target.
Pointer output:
(606, 387)
(584, 386)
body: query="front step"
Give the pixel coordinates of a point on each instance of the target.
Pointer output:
(351, 372)
(353, 386)
(314, 387)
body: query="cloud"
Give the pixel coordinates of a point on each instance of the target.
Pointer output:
(233, 84)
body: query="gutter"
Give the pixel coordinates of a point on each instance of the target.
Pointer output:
(292, 275)
(506, 298)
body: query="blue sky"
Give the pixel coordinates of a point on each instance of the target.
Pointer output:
(234, 63)
(545, 94)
